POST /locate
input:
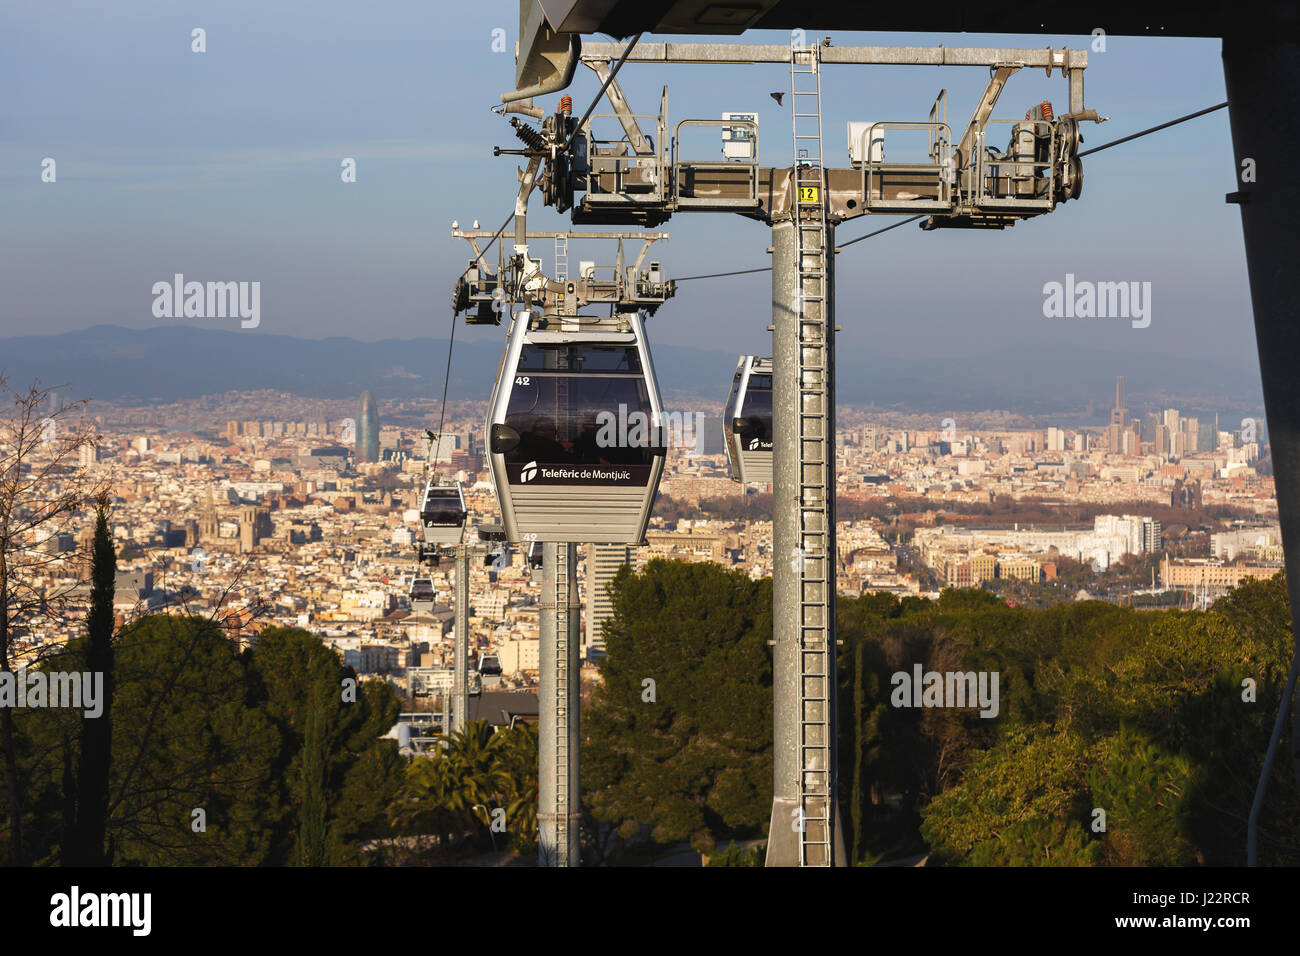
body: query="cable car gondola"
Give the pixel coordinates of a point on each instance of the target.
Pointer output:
(489, 671)
(422, 595)
(442, 514)
(568, 460)
(748, 421)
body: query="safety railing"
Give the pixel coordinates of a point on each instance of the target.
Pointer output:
(616, 175)
(724, 185)
(907, 187)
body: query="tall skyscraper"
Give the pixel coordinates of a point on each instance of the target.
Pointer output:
(1208, 439)
(367, 448)
(1118, 418)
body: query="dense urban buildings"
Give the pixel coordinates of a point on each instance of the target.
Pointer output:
(255, 507)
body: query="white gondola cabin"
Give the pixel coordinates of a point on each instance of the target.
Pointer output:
(442, 514)
(748, 421)
(423, 596)
(574, 441)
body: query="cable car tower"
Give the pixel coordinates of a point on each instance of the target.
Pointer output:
(642, 180)
(803, 370)
(443, 517)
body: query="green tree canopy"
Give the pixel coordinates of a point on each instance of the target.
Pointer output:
(679, 732)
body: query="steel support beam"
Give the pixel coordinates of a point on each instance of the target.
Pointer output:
(984, 110)
(631, 128)
(1063, 59)
(473, 235)
(558, 718)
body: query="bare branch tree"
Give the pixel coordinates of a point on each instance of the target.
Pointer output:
(43, 489)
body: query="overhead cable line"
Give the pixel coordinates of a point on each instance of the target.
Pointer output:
(720, 275)
(446, 379)
(1153, 129)
(901, 222)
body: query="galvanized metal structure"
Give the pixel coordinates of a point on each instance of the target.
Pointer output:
(558, 728)
(1261, 64)
(969, 183)
(460, 648)
(443, 517)
(461, 689)
(803, 343)
(643, 180)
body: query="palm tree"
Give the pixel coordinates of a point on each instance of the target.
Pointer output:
(520, 760)
(479, 771)
(474, 763)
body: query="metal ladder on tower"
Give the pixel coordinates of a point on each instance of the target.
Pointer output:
(817, 579)
(562, 258)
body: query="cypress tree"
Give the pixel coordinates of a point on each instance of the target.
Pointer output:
(88, 844)
(312, 850)
(855, 802)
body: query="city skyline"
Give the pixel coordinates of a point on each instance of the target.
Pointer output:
(1045, 382)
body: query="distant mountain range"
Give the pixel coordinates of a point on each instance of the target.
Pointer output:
(169, 363)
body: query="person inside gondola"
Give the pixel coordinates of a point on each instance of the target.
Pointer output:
(587, 449)
(538, 441)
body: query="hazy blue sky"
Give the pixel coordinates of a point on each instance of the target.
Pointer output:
(225, 165)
